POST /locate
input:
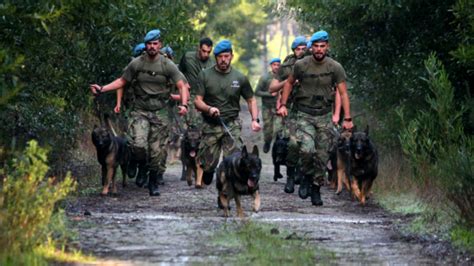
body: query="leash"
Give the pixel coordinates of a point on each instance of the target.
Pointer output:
(226, 129)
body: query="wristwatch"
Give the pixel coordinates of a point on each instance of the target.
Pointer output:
(256, 119)
(348, 119)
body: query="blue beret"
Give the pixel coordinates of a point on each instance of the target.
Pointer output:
(152, 35)
(275, 60)
(138, 49)
(300, 40)
(308, 44)
(320, 36)
(223, 46)
(167, 50)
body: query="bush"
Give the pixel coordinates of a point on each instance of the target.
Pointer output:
(27, 203)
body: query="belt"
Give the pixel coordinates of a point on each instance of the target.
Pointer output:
(312, 110)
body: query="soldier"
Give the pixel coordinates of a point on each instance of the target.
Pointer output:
(191, 65)
(217, 97)
(318, 75)
(268, 103)
(148, 124)
(299, 48)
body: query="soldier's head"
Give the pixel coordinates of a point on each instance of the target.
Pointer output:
(320, 45)
(138, 49)
(275, 64)
(299, 46)
(153, 42)
(223, 53)
(205, 48)
(168, 52)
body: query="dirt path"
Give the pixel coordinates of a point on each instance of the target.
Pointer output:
(176, 227)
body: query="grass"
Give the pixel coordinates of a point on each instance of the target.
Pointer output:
(264, 244)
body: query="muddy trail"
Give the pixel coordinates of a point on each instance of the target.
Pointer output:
(178, 226)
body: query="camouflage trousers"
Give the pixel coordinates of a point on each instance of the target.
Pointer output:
(193, 117)
(216, 140)
(147, 136)
(270, 122)
(289, 130)
(314, 135)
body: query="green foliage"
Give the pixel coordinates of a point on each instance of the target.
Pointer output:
(54, 49)
(382, 45)
(27, 203)
(423, 137)
(262, 244)
(463, 237)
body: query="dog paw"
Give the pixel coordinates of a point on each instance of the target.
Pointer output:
(276, 177)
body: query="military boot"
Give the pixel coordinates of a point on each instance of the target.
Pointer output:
(160, 181)
(316, 195)
(132, 169)
(305, 186)
(298, 176)
(152, 186)
(142, 174)
(290, 180)
(207, 177)
(266, 146)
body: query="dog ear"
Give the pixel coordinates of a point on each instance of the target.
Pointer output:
(255, 150)
(244, 152)
(367, 130)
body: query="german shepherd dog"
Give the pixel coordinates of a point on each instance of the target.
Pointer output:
(189, 150)
(364, 164)
(342, 160)
(279, 154)
(238, 174)
(112, 151)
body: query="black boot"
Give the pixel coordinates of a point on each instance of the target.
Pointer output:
(304, 188)
(266, 146)
(207, 177)
(298, 176)
(316, 196)
(142, 174)
(290, 180)
(159, 180)
(132, 169)
(152, 186)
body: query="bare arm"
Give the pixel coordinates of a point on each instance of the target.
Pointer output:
(253, 109)
(287, 88)
(336, 113)
(203, 107)
(116, 84)
(276, 85)
(183, 89)
(118, 105)
(342, 90)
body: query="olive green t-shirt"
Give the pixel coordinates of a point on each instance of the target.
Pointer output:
(262, 90)
(191, 66)
(318, 80)
(286, 67)
(223, 90)
(151, 76)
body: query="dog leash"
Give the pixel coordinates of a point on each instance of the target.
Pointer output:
(226, 129)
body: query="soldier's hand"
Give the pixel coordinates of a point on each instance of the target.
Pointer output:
(256, 126)
(95, 89)
(347, 124)
(117, 109)
(183, 110)
(282, 111)
(214, 112)
(335, 119)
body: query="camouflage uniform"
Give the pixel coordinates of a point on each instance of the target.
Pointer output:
(149, 124)
(221, 90)
(191, 66)
(268, 106)
(314, 101)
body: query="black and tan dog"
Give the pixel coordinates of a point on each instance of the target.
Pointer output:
(189, 150)
(238, 174)
(343, 160)
(112, 151)
(279, 154)
(364, 164)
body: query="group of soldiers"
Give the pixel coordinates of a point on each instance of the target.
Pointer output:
(306, 89)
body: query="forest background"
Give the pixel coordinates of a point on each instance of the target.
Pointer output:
(409, 65)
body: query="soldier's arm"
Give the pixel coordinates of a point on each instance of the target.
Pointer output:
(184, 95)
(253, 109)
(118, 105)
(261, 90)
(118, 83)
(276, 85)
(203, 107)
(342, 90)
(287, 88)
(336, 114)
